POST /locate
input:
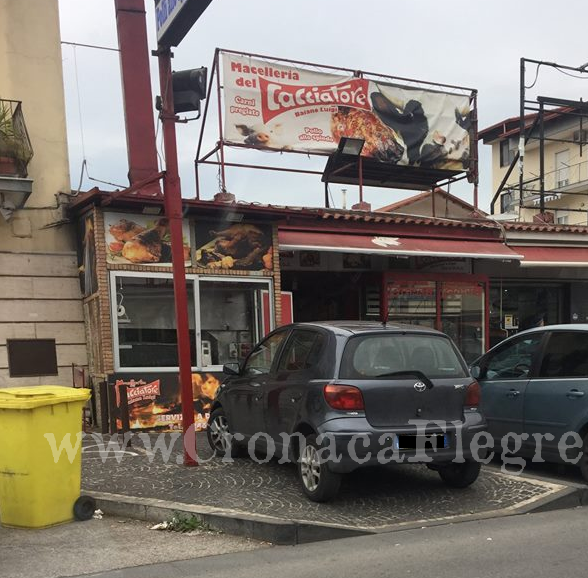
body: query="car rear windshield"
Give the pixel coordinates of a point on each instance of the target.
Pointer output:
(377, 356)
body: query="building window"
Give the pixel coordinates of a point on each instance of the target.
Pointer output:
(562, 219)
(145, 321)
(506, 153)
(231, 319)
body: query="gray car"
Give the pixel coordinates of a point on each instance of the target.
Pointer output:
(336, 396)
(535, 389)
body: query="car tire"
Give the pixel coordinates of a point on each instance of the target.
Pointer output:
(318, 482)
(583, 461)
(219, 436)
(460, 475)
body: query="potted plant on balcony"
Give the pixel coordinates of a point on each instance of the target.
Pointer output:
(14, 154)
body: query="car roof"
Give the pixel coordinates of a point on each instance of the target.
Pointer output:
(558, 327)
(355, 327)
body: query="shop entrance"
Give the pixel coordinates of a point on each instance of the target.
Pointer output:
(455, 304)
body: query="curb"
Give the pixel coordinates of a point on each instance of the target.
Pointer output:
(292, 532)
(258, 527)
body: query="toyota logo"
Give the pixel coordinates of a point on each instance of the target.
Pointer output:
(420, 386)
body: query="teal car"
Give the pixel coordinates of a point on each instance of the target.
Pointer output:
(534, 389)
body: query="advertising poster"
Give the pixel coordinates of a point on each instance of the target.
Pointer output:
(140, 239)
(238, 247)
(272, 106)
(155, 399)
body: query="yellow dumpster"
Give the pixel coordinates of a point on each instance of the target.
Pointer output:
(40, 454)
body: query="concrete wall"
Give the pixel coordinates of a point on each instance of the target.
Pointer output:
(39, 290)
(577, 174)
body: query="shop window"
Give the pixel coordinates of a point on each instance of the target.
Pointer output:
(146, 322)
(231, 318)
(462, 316)
(413, 302)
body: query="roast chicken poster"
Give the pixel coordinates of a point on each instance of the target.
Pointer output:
(154, 399)
(271, 106)
(140, 239)
(239, 246)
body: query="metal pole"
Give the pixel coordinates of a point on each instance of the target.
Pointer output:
(521, 131)
(360, 179)
(541, 161)
(173, 211)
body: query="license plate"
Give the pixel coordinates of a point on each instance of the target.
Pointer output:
(411, 442)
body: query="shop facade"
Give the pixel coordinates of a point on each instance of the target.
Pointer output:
(251, 268)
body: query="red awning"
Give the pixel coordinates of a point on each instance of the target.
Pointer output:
(553, 256)
(380, 245)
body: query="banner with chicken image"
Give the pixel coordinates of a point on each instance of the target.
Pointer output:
(154, 399)
(272, 106)
(141, 239)
(237, 247)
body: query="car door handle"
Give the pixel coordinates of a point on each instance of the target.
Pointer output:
(575, 393)
(513, 393)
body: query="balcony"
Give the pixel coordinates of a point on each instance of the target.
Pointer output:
(15, 154)
(15, 146)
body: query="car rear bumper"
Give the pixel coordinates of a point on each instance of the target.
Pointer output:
(350, 443)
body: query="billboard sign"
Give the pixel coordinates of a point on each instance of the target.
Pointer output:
(174, 18)
(269, 105)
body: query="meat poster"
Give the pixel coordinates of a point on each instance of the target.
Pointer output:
(239, 246)
(154, 399)
(141, 239)
(272, 106)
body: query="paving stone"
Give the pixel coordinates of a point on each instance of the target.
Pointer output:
(370, 497)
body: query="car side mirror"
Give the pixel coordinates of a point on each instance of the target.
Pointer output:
(231, 369)
(475, 371)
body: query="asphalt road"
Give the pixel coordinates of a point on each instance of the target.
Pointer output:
(535, 545)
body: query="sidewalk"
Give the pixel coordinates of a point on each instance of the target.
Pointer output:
(370, 500)
(103, 545)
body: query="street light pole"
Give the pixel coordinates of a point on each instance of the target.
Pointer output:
(173, 211)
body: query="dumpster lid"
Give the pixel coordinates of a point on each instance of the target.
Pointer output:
(39, 396)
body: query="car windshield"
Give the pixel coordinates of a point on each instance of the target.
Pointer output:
(379, 356)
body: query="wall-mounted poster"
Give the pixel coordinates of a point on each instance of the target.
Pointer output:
(309, 258)
(238, 247)
(155, 399)
(140, 239)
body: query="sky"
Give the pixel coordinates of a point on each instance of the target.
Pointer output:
(476, 44)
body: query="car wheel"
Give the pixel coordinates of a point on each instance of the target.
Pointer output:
(219, 436)
(583, 462)
(319, 483)
(460, 475)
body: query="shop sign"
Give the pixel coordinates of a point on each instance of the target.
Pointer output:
(174, 18)
(269, 105)
(140, 240)
(443, 265)
(154, 399)
(238, 247)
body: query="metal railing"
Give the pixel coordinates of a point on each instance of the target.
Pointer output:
(16, 150)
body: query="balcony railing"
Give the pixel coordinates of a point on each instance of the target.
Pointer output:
(15, 146)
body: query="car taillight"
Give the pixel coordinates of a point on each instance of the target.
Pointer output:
(346, 397)
(472, 398)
